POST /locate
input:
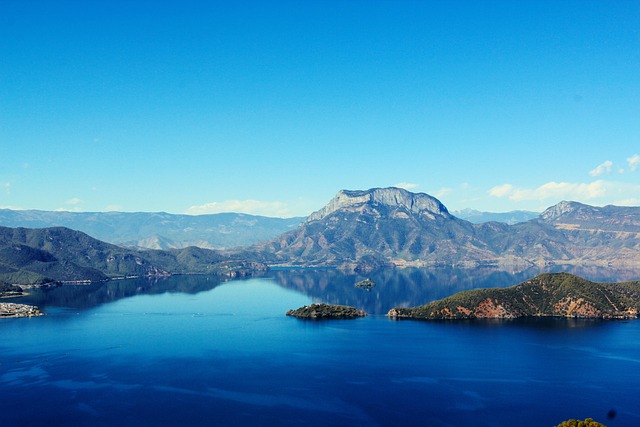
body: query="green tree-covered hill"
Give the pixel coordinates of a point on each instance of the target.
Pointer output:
(549, 294)
(37, 256)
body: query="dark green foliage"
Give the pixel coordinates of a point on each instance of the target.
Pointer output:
(365, 284)
(550, 294)
(589, 422)
(326, 311)
(9, 290)
(63, 254)
(36, 256)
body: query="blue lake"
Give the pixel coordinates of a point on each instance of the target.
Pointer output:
(192, 350)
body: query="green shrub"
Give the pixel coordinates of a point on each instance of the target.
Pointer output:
(588, 422)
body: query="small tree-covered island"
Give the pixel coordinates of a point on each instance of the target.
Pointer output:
(366, 284)
(546, 295)
(589, 422)
(326, 311)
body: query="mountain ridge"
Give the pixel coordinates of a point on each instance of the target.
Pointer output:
(361, 230)
(398, 198)
(381, 227)
(369, 229)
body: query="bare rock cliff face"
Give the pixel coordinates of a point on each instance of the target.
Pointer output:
(563, 208)
(396, 198)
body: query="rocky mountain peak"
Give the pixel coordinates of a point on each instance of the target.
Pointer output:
(392, 197)
(561, 209)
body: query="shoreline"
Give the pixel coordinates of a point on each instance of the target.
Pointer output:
(10, 310)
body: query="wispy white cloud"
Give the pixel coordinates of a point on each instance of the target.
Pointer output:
(632, 201)
(501, 190)
(73, 201)
(7, 188)
(72, 205)
(406, 185)
(253, 207)
(634, 162)
(602, 169)
(113, 208)
(73, 209)
(599, 192)
(443, 191)
(552, 190)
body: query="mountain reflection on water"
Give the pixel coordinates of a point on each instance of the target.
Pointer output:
(409, 287)
(405, 287)
(94, 294)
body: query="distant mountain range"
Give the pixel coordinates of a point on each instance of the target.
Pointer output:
(478, 217)
(368, 229)
(160, 230)
(546, 295)
(357, 230)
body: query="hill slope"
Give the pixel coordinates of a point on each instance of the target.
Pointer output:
(35, 256)
(577, 233)
(551, 294)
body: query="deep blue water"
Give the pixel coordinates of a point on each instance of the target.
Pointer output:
(192, 351)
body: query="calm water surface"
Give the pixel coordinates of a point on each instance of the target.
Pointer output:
(192, 351)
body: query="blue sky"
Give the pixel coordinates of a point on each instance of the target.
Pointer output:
(271, 107)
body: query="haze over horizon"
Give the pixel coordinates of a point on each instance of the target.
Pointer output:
(272, 107)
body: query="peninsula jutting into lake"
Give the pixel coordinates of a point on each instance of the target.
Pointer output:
(8, 309)
(546, 295)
